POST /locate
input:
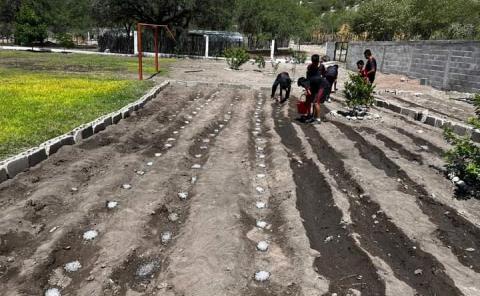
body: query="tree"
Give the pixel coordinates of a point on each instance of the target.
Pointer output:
(8, 10)
(29, 26)
(381, 19)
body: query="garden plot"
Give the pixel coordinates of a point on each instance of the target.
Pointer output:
(213, 189)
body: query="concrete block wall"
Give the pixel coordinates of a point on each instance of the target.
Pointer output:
(448, 65)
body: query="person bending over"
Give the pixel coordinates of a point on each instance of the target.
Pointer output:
(331, 74)
(317, 89)
(283, 79)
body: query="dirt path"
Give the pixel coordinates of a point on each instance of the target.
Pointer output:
(213, 189)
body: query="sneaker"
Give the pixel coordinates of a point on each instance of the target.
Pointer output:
(317, 121)
(310, 120)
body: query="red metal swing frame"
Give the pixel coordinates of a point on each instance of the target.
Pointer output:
(140, 27)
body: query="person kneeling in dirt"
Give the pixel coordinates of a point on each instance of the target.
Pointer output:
(317, 89)
(283, 79)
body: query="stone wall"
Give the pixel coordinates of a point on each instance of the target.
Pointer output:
(449, 65)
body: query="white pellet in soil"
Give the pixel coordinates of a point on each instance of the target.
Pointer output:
(140, 173)
(90, 235)
(194, 113)
(175, 132)
(150, 163)
(72, 266)
(53, 292)
(147, 269)
(262, 276)
(260, 189)
(206, 141)
(261, 176)
(216, 131)
(182, 127)
(261, 205)
(221, 125)
(183, 195)
(198, 156)
(261, 156)
(173, 217)
(229, 112)
(194, 179)
(212, 135)
(262, 246)
(158, 154)
(112, 204)
(187, 122)
(470, 250)
(196, 166)
(74, 189)
(166, 237)
(168, 145)
(171, 139)
(126, 186)
(262, 165)
(204, 147)
(261, 224)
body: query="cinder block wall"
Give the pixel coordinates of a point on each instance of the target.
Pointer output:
(448, 65)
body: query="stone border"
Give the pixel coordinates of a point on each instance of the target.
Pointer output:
(12, 166)
(424, 117)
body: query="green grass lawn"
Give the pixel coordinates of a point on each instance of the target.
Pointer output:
(44, 95)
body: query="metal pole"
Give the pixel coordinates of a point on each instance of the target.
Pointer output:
(156, 49)
(140, 66)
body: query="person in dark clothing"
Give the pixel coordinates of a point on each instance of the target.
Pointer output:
(314, 68)
(317, 88)
(371, 66)
(331, 75)
(283, 79)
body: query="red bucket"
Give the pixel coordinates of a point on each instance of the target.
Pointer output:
(302, 107)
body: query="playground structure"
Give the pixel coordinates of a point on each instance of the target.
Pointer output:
(140, 27)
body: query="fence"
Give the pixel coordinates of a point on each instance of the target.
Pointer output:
(193, 44)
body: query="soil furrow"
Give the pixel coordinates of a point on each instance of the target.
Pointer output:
(377, 234)
(453, 230)
(393, 145)
(421, 142)
(341, 261)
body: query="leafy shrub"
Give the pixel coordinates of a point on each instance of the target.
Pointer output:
(65, 40)
(475, 121)
(236, 57)
(275, 66)
(29, 27)
(260, 61)
(463, 161)
(358, 92)
(299, 57)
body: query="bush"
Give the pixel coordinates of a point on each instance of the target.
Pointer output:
(236, 57)
(358, 92)
(463, 164)
(65, 40)
(29, 27)
(260, 61)
(299, 57)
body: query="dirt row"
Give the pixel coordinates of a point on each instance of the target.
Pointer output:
(214, 189)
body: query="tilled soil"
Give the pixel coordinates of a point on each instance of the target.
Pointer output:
(214, 189)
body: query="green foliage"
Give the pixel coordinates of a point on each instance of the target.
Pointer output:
(65, 40)
(299, 57)
(236, 57)
(380, 19)
(260, 62)
(463, 161)
(273, 18)
(29, 27)
(475, 121)
(358, 92)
